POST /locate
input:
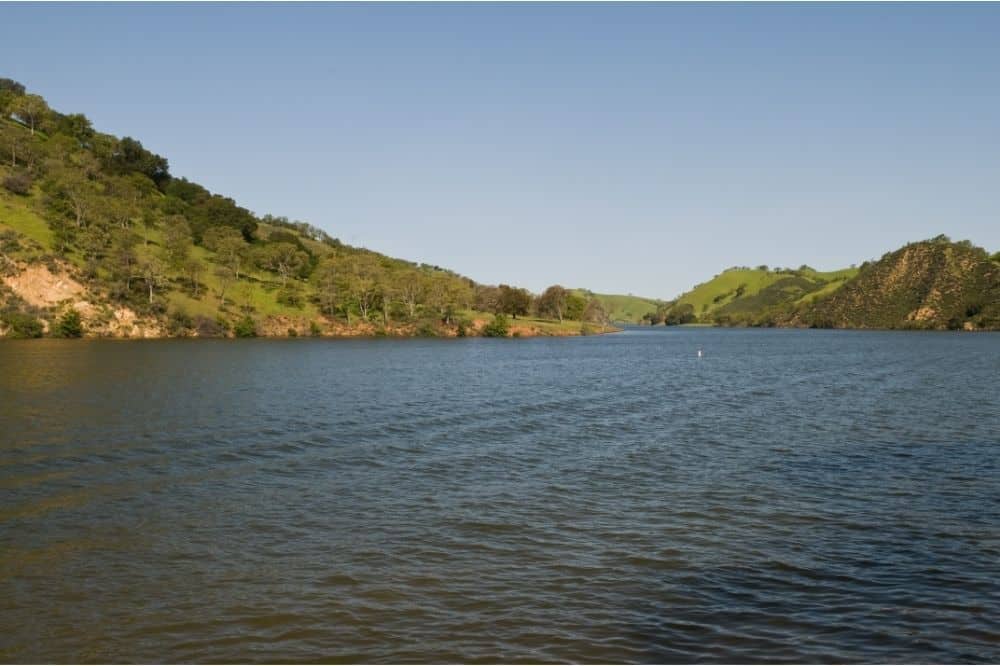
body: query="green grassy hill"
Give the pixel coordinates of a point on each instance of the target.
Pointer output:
(95, 227)
(623, 308)
(934, 284)
(748, 296)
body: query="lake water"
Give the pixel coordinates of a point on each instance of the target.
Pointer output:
(792, 496)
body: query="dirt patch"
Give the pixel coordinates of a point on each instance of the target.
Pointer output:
(924, 313)
(40, 287)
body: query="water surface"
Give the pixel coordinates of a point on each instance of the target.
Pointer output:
(792, 496)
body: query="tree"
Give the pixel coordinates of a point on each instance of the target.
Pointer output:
(124, 259)
(18, 145)
(153, 273)
(93, 242)
(446, 294)
(387, 284)
(327, 286)
(285, 259)
(177, 241)
(72, 192)
(193, 268)
(575, 305)
(224, 278)
(75, 125)
(31, 110)
(595, 312)
(411, 290)
(229, 247)
(216, 211)
(69, 325)
(682, 313)
(552, 302)
(7, 99)
(130, 156)
(514, 301)
(487, 299)
(359, 280)
(12, 86)
(10, 90)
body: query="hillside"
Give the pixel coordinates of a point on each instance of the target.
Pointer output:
(622, 308)
(97, 237)
(934, 284)
(748, 296)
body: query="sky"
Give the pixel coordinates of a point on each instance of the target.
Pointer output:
(624, 148)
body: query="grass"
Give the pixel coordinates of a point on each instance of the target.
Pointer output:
(543, 326)
(16, 214)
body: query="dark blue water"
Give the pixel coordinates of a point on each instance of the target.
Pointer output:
(792, 496)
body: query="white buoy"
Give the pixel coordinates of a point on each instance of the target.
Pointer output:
(700, 353)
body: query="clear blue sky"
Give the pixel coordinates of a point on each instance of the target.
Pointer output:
(626, 148)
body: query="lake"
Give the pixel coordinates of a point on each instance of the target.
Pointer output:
(803, 496)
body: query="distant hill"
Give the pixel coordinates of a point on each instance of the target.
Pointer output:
(623, 308)
(743, 295)
(932, 284)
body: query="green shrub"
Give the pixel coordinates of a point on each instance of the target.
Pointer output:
(18, 182)
(498, 328)
(69, 325)
(207, 327)
(290, 296)
(427, 330)
(22, 325)
(245, 328)
(314, 329)
(179, 323)
(463, 325)
(292, 333)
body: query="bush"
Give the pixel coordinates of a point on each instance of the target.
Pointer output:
(427, 330)
(245, 328)
(315, 330)
(463, 325)
(69, 325)
(22, 325)
(292, 333)
(206, 327)
(290, 296)
(179, 323)
(9, 241)
(498, 328)
(18, 182)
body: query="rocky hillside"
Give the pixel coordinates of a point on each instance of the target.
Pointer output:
(934, 284)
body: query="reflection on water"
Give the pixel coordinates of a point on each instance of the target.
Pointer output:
(791, 496)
